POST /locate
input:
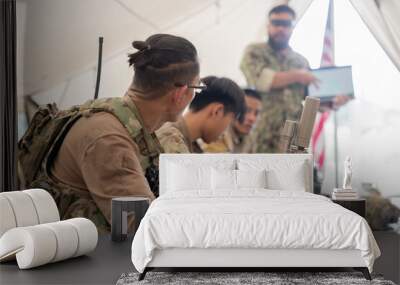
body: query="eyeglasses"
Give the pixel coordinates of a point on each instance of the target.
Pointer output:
(200, 86)
(282, 23)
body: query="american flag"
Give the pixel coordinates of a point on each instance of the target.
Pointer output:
(327, 59)
(328, 52)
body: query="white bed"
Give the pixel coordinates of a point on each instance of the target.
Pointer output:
(202, 219)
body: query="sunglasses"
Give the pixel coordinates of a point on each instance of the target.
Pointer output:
(201, 86)
(282, 23)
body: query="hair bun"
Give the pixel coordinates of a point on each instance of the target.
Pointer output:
(138, 58)
(140, 45)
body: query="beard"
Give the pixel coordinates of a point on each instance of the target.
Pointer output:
(277, 45)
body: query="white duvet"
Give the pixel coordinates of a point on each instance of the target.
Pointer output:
(254, 218)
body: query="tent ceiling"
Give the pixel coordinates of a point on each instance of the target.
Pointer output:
(58, 39)
(164, 14)
(61, 36)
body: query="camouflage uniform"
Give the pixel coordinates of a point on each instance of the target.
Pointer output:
(231, 141)
(174, 138)
(259, 64)
(73, 202)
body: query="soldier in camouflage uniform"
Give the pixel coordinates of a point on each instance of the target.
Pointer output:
(238, 138)
(210, 113)
(175, 137)
(280, 74)
(108, 146)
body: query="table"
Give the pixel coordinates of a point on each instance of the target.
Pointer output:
(102, 266)
(120, 207)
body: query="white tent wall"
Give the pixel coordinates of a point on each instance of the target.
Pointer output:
(368, 133)
(61, 38)
(382, 19)
(368, 127)
(60, 49)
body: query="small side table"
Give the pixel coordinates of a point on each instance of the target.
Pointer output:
(358, 206)
(120, 207)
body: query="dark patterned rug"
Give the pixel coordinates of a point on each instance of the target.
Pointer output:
(230, 278)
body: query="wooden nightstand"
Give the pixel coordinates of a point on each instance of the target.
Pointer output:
(358, 206)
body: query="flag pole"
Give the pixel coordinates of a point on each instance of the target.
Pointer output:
(335, 135)
(328, 59)
(335, 119)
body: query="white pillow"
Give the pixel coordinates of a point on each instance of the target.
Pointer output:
(282, 174)
(188, 177)
(251, 178)
(223, 179)
(287, 179)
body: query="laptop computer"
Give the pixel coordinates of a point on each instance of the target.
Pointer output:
(333, 81)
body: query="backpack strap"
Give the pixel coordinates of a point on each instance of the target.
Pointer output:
(125, 110)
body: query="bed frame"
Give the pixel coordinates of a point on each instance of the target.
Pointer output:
(249, 259)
